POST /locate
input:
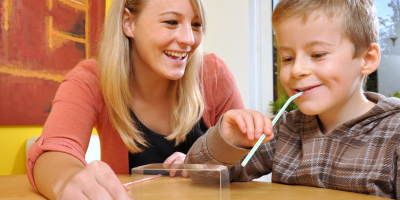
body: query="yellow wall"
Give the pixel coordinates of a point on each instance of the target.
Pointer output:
(12, 147)
(12, 143)
(108, 3)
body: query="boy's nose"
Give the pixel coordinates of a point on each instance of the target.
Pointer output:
(300, 69)
(186, 35)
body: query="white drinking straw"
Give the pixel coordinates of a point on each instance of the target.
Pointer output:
(254, 149)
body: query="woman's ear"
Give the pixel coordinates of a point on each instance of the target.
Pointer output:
(372, 58)
(128, 25)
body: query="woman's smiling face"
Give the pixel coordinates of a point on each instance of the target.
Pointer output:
(317, 59)
(165, 35)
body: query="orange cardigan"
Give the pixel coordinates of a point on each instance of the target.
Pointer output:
(78, 107)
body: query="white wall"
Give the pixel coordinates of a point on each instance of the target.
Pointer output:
(228, 37)
(239, 32)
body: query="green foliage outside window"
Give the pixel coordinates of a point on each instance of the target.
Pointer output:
(278, 104)
(395, 94)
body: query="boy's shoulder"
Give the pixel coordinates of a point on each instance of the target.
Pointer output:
(383, 120)
(385, 106)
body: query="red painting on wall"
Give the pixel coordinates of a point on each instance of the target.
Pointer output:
(40, 42)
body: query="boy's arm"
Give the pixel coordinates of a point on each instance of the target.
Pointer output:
(213, 148)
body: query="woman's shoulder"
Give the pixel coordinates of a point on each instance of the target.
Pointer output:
(85, 72)
(84, 68)
(216, 70)
(220, 91)
(83, 78)
(213, 63)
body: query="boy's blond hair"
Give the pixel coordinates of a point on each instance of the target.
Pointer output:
(116, 80)
(359, 21)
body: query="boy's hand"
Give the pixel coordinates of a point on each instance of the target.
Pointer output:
(243, 128)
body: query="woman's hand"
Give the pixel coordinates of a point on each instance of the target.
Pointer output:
(243, 128)
(96, 181)
(174, 160)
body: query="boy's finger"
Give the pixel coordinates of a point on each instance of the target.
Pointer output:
(258, 119)
(240, 121)
(249, 121)
(268, 138)
(267, 126)
(235, 118)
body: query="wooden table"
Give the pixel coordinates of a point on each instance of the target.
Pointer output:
(18, 187)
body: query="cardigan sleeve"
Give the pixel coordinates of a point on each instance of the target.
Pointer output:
(72, 117)
(212, 148)
(220, 90)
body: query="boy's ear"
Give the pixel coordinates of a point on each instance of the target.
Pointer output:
(372, 58)
(128, 23)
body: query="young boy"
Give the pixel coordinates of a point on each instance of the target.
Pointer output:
(340, 137)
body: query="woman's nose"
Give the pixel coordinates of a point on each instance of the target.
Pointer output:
(186, 35)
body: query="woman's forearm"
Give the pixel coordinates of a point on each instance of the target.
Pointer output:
(52, 170)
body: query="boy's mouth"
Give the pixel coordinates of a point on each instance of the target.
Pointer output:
(176, 55)
(304, 89)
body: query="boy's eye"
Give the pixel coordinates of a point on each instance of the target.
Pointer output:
(172, 22)
(286, 60)
(197, 25)
(318, 55)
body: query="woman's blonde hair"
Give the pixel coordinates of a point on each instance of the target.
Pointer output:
(116, 83)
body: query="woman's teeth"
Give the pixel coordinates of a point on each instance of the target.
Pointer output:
(175, 55)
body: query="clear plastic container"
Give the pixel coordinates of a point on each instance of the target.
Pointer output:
(153, 182)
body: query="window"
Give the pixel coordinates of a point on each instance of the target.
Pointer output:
(386, 80)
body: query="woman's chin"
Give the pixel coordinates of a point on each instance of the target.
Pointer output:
(175, 76)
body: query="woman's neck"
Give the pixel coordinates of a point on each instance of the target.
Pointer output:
(149, 86)
(151, 102)
(150, 91)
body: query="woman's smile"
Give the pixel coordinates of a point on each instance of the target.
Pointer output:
(175, 55)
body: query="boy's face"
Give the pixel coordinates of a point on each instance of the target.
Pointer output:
(317, 59)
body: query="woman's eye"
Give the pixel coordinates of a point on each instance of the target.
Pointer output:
(197, 25)
(171, 22)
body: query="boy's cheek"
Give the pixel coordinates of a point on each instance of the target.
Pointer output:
(284, 77)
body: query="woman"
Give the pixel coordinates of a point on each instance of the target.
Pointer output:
(150, 94)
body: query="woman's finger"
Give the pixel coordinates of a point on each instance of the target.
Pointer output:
(96, 191)
(175, 161)
(109, 181)
(185, 174)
